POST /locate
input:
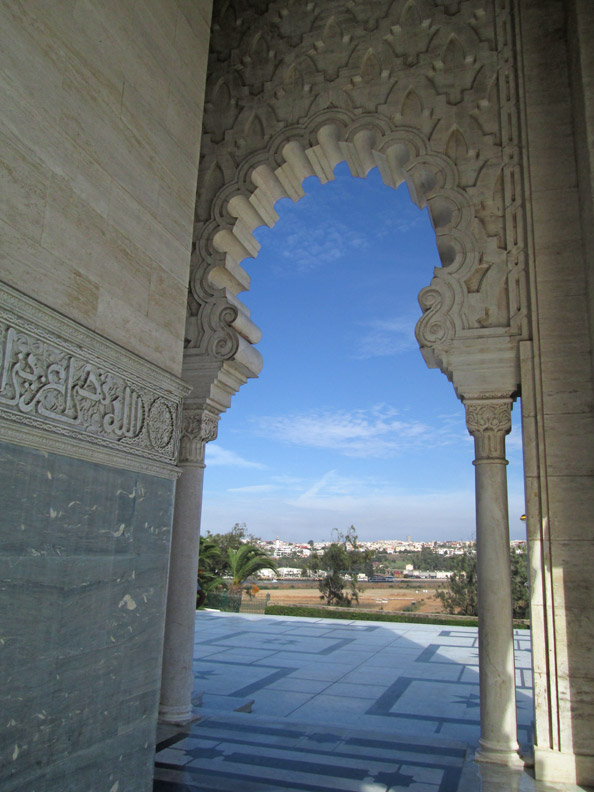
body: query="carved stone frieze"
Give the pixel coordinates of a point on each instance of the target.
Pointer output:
(198, 428)
(62, 386)
(489, 421)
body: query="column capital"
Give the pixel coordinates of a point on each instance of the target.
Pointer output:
(198, 428)
(489, 420)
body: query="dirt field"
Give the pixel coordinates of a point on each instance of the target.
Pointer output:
(380, 597)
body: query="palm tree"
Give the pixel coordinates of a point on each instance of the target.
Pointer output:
(246, 561)
(211, 565)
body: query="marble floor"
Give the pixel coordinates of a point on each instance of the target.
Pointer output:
(323, 705)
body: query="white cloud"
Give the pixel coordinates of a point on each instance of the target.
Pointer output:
(383, 337)
(307, 248)
(409, 218)
(255, 489)
(332, 484)
(377, 432)
(379, 508)
(425, 515)
(218, 456)
(289, 482)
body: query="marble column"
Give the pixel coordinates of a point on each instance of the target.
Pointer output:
(198, 428)
(489, 421)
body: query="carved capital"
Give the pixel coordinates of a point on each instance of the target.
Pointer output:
(198, 428)
(489, 421)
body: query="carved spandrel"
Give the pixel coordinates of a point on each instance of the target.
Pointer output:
(423, 38)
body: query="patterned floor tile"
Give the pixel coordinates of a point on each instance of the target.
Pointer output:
(349, 707)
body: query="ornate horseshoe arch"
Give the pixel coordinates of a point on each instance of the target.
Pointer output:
(290, 98)
(472, 309)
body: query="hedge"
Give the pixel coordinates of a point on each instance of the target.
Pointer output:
(355, 615)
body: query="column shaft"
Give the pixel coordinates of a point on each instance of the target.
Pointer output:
(489, 422)
(178, 651)
(177, 681)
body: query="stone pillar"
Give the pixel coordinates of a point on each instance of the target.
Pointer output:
(488, 421)
(198, 428)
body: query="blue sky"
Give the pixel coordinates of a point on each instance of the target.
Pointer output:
(346, 424)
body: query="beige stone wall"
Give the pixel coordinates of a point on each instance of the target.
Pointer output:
(100, 119)
(100, 133)
(580, 28)
(559, 448)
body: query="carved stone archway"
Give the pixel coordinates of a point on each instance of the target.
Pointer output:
(476, 297)
(425, 90)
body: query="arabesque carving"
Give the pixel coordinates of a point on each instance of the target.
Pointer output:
(425, 90)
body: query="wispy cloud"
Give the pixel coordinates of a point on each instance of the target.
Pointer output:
(218, 456)
(378, 432)
(255, 489)
(427, 515)
(384, 337)
(409, 218)
(384, 502)
(307, 248)
(380, 507)
(331, 484)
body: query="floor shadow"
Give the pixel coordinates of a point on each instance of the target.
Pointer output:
(361, 706)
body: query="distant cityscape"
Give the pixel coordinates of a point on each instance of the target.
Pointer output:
(278, 548)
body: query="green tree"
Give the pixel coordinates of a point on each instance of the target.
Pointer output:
(461, 595)
(246, 561)
(520, 588)
(213, 562)
(335, 587)
(425, 560)
(312, 563)
(211, 565)
(234, 538)
(342, 561)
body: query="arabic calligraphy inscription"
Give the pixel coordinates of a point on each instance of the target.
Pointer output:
(40, 379)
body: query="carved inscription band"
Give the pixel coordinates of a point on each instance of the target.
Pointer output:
(62, 386)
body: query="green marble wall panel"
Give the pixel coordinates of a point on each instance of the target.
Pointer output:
(83, 570)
